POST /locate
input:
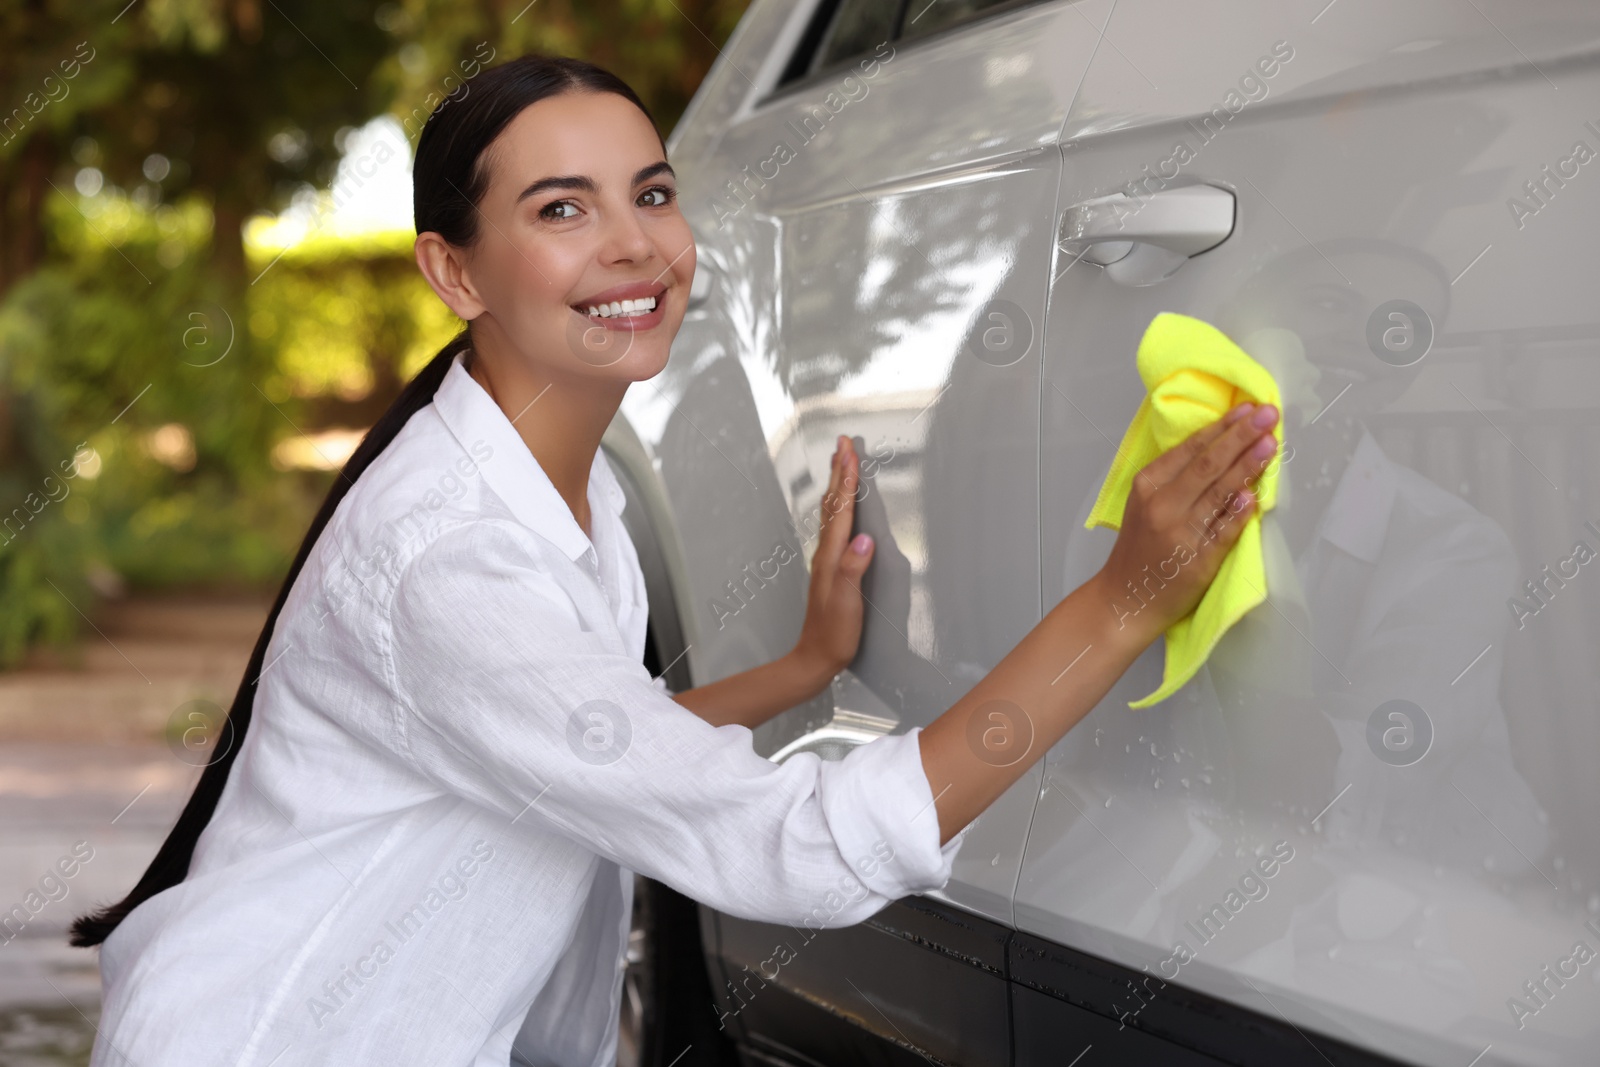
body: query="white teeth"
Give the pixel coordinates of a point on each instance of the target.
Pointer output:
(641, 306)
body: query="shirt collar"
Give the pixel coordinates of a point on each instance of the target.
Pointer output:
(1358, 514)
(513, 472)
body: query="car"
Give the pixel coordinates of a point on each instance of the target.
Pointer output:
(1364, 832)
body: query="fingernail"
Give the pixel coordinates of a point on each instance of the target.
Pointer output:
(1264, 447)
(1237, 413)
(860, 545)
(1265, 415)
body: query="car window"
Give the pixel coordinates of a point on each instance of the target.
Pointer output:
(856, 27)
(929, 16)
(841, 30)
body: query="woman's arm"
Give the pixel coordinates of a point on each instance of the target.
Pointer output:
(505, 698)
(751, 697)
(1187, 507)
(832, 628)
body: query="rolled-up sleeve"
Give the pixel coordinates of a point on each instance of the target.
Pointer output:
(510, 699)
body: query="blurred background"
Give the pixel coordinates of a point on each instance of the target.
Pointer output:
(207, 294)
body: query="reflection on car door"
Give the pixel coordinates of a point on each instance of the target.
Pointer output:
(1367, 814)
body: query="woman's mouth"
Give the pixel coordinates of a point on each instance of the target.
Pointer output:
(639, 313)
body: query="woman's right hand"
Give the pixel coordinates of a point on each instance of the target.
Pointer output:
(1070, 660)
(1185, 510)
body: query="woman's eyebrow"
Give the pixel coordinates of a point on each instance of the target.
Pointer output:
(586, 183)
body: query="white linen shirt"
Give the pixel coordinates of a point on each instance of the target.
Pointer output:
(423, 852)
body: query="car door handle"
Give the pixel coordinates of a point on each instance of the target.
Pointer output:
(834, 740)
(1141, 240)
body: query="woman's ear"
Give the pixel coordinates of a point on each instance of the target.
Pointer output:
(445, 268)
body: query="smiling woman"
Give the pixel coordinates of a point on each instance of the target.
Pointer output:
(547, 218)
(475, 676)
(541, 261)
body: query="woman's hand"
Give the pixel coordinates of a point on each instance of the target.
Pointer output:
(1185, 511)
(831, 632)
(832, 628)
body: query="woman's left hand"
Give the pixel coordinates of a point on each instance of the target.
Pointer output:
(832, 628)
(834, 605)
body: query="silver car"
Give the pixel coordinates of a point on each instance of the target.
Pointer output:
(1365, 832)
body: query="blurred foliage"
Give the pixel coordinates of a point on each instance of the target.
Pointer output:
(662, 48)
(151, 359)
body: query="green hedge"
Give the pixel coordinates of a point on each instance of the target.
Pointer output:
(126, 349)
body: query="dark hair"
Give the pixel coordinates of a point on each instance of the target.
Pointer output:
(450, 177)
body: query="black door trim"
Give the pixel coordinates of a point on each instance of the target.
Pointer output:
(1171, 1013)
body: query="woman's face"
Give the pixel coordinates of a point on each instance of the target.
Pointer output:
(581, 212)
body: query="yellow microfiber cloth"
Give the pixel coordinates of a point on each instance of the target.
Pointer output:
(1194, 375)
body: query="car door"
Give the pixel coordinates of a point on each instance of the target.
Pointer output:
(876, 249)
(1370, 815)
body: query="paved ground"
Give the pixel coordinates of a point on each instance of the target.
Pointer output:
(89, 776)
(94, 763)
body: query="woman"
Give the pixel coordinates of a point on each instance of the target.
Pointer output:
(423, 855)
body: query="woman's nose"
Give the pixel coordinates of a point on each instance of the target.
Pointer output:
(626, 239)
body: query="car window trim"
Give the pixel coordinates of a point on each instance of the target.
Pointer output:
(819, 27)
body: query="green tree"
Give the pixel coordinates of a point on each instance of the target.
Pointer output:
(662, 48)
(229, 104)
(144, 135)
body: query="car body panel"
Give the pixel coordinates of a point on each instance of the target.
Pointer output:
(851, 285)
(1381, 163)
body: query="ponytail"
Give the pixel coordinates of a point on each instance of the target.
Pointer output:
(171, 864)
(449, 179)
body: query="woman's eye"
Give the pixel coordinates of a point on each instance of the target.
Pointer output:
(548, 208)
(667, 195)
